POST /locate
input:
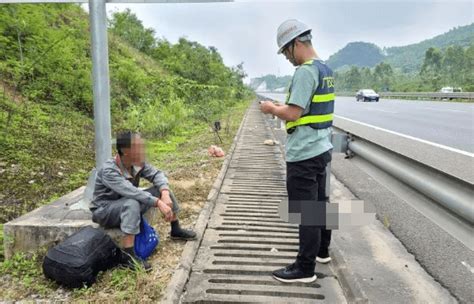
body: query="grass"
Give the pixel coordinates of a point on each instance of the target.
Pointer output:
(191, 172)
(183, 147)
(386, 221)
(2, 253)
(23, 272)
(47, 151)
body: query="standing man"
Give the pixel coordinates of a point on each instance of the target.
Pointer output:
(308, 113)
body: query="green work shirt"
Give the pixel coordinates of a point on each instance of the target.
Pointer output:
(305, 142)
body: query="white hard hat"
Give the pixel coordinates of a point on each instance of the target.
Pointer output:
(289, 30)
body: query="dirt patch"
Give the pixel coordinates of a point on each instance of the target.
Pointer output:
(121, 284)
(10, 92)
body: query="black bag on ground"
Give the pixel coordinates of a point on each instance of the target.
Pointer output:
(76, 261)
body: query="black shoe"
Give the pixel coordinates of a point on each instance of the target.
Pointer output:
(292, 273)
(323, 257)
(133, 262)
(183, 234)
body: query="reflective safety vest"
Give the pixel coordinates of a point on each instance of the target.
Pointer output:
(321, 111)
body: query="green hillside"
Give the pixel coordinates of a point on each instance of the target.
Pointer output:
(161, 89)
(445, 60)
(170, 92)
(407, 58)
(361, 54)
(410, 58)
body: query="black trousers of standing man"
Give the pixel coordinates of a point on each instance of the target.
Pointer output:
(306, 182)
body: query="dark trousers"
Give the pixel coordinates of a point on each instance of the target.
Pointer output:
(306, 182)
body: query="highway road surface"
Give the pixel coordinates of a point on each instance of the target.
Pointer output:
(448, 124)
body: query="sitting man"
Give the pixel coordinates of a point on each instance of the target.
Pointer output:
(118, 202)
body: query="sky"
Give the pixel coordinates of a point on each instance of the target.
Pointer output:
(245, 30)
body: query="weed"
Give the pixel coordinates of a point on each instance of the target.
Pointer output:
(2, 253)
(386, 222)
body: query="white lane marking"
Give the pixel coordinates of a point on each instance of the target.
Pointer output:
(444, 110)
(469, 267)
(409, 137)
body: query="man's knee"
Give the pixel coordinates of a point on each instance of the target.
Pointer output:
(130, 217)
(155, 192)
(131, 207)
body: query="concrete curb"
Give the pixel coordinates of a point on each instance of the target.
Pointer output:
(350, 286)
(175, 287)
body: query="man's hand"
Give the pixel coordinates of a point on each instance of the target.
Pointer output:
(266, 107)
(165, 210)
(165, 197)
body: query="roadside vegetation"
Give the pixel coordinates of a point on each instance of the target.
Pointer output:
(453, 67)
(171, 93)
(161, 89)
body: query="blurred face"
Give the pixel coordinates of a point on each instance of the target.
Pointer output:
(137, 151)
(135, 155)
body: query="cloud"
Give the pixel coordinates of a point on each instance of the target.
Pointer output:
(245, 31)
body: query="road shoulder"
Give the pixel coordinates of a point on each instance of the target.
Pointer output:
(377, 267)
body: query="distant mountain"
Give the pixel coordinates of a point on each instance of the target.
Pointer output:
(407, 58)
(361, 54)
(410, 57)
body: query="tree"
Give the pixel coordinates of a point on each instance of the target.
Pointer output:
(238, 74)
(468, 69)
(366, 78)
(431, 68)
(383, 75)
(452, 65)
(127, 26)
(353, 79)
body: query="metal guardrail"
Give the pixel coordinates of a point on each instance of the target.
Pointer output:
(424, 95)
(453, 194)
(434, 95)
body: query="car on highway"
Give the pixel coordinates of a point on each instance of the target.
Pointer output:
(367, 95)
(447, 90)
(450, 90)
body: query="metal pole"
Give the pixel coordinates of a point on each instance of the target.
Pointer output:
(100, 80)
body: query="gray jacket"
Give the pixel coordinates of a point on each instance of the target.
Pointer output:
(114, 182)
